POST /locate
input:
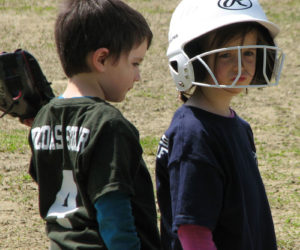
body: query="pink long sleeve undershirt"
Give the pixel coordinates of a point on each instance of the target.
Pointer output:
(194, 237)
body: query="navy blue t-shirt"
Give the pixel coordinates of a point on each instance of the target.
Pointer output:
(207, 175)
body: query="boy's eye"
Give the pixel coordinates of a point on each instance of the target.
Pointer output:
(136, 64)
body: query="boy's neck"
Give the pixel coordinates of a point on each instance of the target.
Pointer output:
(83, 84)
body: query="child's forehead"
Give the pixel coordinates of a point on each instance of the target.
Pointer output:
(249, 38)
(232, 39)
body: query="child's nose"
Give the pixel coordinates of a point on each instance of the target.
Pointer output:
(236, 61)
(137, 77)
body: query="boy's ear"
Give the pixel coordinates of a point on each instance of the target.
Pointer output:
(99, 58)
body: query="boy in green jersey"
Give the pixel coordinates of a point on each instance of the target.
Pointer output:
(95, 191)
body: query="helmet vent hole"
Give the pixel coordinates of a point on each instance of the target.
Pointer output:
(174, 65)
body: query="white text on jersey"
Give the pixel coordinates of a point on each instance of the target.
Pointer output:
(47, 138)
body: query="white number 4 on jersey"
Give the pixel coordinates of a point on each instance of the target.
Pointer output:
(65, 202)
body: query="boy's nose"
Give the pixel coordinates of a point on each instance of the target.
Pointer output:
(137, 77)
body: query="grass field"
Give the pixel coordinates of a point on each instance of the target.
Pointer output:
(273, 113)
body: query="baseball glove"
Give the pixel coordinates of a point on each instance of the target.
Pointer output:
(24, 88)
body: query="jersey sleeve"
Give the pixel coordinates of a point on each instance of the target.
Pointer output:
(116, 223)
(196, 194)
(196, 182)
(32, 171)
(115, 160)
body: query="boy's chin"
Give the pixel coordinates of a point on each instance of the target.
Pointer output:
(117, 99)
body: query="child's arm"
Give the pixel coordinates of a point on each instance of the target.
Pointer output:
(116, 223)
(195, 237)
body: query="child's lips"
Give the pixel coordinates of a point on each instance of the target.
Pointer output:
(241, 78)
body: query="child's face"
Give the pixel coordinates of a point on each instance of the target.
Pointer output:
(120, 76)
(225, 64)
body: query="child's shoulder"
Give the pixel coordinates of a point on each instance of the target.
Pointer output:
(90, 113)
(86, 104)
(186, 119)
(192, 116)
(92, 110)
(196, 121)
(101, 113)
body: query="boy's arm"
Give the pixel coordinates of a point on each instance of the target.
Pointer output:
(195, 237)
(116, 223)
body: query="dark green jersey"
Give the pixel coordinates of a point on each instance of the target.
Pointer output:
(83, 148)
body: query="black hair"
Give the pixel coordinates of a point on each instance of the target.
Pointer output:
(84, 26)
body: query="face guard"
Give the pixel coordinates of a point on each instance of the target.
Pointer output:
(269, 63)
(211, 15)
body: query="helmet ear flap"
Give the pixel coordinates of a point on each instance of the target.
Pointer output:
(181, 71)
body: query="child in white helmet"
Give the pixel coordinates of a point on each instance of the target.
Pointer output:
(209, 189)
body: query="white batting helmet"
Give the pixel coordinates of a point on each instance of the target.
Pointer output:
(194, 18)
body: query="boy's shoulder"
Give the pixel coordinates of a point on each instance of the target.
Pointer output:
(90, 105)
(91, 112)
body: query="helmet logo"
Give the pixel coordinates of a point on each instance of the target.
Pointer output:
(235, 4)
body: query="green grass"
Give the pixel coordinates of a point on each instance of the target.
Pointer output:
(279, 16)
(13, 141)
(28, 8)
(147, 94)
(149, 145)
(37, 6)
